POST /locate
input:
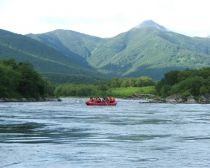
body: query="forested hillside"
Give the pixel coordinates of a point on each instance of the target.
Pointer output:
(148, 49)
(72, 44)
(50, 62)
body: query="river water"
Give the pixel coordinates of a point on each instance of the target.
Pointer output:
(131, 135)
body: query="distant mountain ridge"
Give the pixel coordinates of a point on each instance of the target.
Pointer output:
(147, 49)
(68, 41)
(45, 59)
(151, 24)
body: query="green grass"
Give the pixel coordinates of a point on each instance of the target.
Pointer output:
(129, 91)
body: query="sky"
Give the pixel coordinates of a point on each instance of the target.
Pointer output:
(104, 18)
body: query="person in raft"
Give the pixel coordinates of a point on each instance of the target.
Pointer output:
(111, 99)
(105, 99)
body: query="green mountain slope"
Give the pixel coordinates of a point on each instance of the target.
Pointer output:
(147, 49)
(72, 44)
(45, 59)
(150, 49)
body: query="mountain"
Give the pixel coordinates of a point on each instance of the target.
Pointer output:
(147, 49)
(150, 49)
(49, 61)
(70, 43)
(150, 24)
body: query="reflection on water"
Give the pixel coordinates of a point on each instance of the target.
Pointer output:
(19, 128)
(132, 134)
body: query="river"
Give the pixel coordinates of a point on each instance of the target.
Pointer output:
(131, 135)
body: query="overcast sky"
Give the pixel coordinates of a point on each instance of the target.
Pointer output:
(104, 18)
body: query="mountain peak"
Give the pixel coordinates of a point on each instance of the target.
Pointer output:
(150, 24)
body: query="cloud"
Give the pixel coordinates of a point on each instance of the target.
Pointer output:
(104, 18)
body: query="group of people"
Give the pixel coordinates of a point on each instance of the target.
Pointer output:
(104, 99)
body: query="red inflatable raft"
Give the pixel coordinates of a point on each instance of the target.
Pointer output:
(102, 103)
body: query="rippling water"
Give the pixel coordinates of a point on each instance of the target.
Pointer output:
(130, 135)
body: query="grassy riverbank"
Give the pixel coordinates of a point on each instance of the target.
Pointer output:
(126, 92)
(121, 87)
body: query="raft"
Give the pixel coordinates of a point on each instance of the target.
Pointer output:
(102, 103)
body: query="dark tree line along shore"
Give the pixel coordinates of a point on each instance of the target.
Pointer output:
(185, 83)
(20, 80)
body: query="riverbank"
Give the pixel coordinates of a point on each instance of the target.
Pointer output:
(28, 99)
(174, 99)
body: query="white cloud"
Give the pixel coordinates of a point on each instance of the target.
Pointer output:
(104, 18)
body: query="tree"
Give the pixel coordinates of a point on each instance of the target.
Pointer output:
(21, 80)
(171, 78)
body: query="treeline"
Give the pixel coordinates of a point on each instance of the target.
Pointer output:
(185, 83)
(20, 80)
(78, 90)
(130, 82)
(102, 88)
